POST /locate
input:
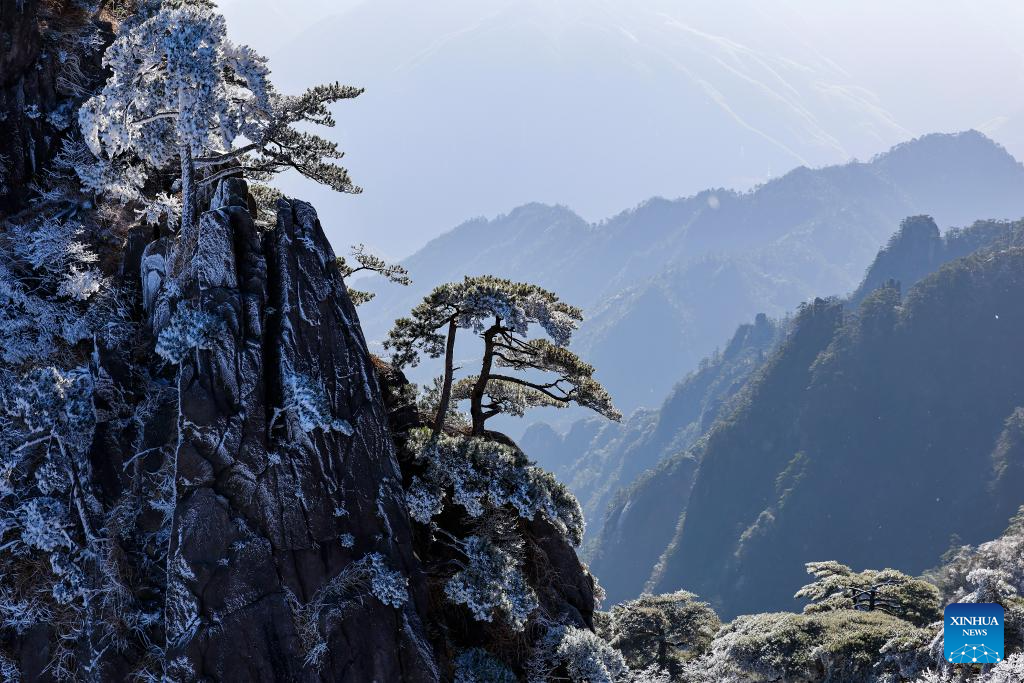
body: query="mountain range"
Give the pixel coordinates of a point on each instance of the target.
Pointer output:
(686, 272)
(476, 106)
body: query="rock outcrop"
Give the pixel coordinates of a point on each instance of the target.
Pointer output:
(285, 467)
(245, 488)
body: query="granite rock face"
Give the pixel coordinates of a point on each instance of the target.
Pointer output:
(283, 449)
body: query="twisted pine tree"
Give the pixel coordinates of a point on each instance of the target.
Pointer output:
(183, 98)
(502, 312)
(836, 586)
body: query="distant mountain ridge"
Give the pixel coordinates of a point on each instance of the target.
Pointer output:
(688, 271)
(477, 106)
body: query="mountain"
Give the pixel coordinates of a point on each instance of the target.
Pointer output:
(869, 435)
(476, 106)
(641, 520)
(688, 271)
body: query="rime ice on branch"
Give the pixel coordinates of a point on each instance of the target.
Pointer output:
(182, 97)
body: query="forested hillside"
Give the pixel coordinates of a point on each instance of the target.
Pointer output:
(684, 273)
(871, 437)
(631, 522)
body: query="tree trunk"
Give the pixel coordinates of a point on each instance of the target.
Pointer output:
(476, 398)
(188, 192)
(446, 386)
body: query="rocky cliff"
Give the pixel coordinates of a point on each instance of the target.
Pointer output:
(200, 478)
(286, 470)
(242, 481)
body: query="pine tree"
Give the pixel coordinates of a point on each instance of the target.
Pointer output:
(502, 312)
(182, 97)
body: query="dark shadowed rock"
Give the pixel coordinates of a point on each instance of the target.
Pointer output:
(284, 448)
(38, 89)
(564, 588)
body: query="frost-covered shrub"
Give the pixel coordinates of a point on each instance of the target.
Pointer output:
(490, 583)
(651, 674)
(51, 296)
(387, 585)
(578, 654)
(53, 245)
(840, 645)
(660, 631)
(48, 420)
(189, 329)
(480, 475)
(908, 653)
(1010, 670)
(55, 562)
(367, 577)
(80, 284)
(478, 666)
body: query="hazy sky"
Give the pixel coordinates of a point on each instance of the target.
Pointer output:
(476, 106)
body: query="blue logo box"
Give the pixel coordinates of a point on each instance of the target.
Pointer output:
(973, 633)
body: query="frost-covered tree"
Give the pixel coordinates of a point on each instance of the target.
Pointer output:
(182, 97)
(661, 631)
(839, 645)
(502, 313)
(836, 586)
(990, 572)
(576, 655)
